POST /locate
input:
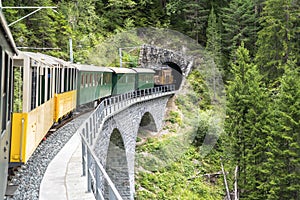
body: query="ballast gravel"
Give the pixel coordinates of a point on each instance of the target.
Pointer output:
(30, 175)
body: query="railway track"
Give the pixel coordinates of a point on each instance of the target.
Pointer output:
(24, 180)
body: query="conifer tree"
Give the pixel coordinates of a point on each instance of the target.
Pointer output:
(277, 40)
(189, 17)
(247, 103)
(239, 20)
(283, 163)
(213, 35)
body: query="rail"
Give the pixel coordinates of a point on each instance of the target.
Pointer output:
(89, 130)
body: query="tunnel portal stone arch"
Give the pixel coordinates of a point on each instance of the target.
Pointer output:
(154, 57)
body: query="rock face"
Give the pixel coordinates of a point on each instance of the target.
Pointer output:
(115, 144)
(153, 57)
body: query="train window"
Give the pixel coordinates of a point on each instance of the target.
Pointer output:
(95, 79)
(71, 79)
(10, 101)
(106, 78)
(42, 85)
(91, 80)
(86, 80)
(65, 75)
(55, 84)
(82, 81)
(131, 78)
(49, 75)
(18, 88)
(4, 95)
(56, 80)
(142, 77)
(33, 87)
(101, 79)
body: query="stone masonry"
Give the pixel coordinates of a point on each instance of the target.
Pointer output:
(153, 56)
(115, 144)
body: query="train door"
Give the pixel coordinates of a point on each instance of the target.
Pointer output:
(5, 105)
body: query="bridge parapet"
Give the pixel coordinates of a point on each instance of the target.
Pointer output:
(94, 162)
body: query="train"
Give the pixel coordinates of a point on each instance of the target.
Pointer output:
(38, 91)
(47, 89)
(8, 50)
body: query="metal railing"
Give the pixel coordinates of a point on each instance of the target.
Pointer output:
(90, 129)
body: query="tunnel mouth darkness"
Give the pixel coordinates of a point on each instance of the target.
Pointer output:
(176, 72)
(117, 166)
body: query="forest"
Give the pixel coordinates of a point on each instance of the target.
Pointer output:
(256, 46)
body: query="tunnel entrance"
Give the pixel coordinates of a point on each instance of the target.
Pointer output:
(117, 166)
(170, 73)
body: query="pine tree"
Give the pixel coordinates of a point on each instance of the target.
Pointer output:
(189, 17)
(284, 140)
(277, 41)
(247, 113)
(150, 13)
(239, 21)
(213, 35)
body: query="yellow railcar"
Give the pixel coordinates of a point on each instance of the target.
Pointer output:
(29, 129)
(44, 92)
(65, 103)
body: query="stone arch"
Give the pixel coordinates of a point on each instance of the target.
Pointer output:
(154, 56)
(117, 166)
(147, 122)
(118, 135)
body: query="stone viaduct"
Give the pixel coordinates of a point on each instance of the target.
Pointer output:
(109, 135)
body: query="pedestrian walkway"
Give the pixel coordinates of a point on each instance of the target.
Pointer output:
(63, 178)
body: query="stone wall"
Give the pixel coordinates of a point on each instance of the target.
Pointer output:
(153, 56)
(115, 145)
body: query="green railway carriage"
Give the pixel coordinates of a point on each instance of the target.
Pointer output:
(93, 83)
(124, 80)
(144, 78)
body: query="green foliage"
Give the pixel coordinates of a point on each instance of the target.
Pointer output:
(246, 125)
(278, 40)
(239, 21)
(174, 118)
(201, 96)
(213, 43)
(262, 125)
(283, 163)
(177, 180)
(194, 13)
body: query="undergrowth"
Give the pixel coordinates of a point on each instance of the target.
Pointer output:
(171, 166)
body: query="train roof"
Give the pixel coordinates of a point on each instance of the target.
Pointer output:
(53, 60)
(6, 31)
(144, 70)
(122, 70)
(84, 67)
